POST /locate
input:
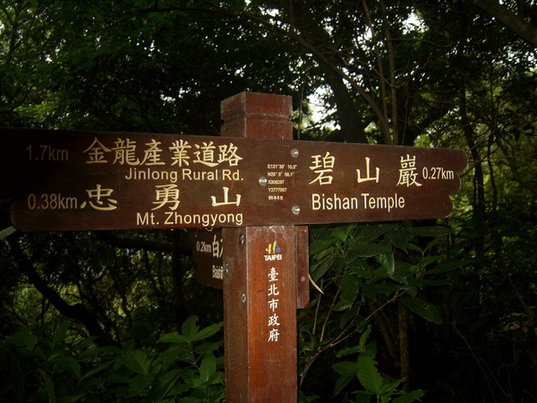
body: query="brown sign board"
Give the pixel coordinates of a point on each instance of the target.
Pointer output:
(63, 180)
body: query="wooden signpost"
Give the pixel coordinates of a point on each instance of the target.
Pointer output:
(253, 186)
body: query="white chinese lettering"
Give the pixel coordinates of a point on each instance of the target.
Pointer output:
(368, 176)
(217, 248)
(273, 304)
(100, 199)
(166, 195)
(226, 201)
(125, 152)
(180, 153)
(407, 172)
(274, 334)
(323, 167)
(273, 320)
(152, 154)
(273, 289)
(228, 153)
(273, 275)
(205, 155)
(96, 152)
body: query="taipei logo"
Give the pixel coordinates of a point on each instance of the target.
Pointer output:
(273, 252)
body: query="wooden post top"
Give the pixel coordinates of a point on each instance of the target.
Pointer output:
(257, 115)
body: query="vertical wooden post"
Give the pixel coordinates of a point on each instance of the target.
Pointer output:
(260, 276)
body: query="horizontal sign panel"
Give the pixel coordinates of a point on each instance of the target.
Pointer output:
(91, 181)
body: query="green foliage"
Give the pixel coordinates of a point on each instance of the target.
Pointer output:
(364, 368)
(56, 365)
(368, 273)
(380, 261)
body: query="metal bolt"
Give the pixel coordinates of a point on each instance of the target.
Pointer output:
(263, 181)
(226, 267)
(295, 153)
(243, 298)
(296, 210)
(242, 239)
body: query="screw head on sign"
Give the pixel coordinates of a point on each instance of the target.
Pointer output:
(263, 181)
(242, 239)
(295, 153)
(243, 298)
(295, 210)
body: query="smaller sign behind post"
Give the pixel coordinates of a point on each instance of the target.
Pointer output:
(207, 254)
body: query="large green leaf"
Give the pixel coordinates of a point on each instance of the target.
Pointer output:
(68, 364)
(341, 232)
(447, 267)
(423, 308)
(190, 327)
(373, 231)
(349, 292)
(137, 361)
(207, 367)
(347, 371)
(368, 249)
(368, 374)
(173, 337)
(207, 331)
(319, 245)
(387, 261)
(49, 385)
(24, 338)
(410, 396)
(399, 238)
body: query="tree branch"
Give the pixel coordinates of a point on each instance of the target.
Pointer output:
(77, 312)
(525, 30)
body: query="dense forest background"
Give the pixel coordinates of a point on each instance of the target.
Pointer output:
(440, 311)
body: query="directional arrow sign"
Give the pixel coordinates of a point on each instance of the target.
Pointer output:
(89, 181)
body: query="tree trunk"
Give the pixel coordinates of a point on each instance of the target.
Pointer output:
(312, 36)
(352, 126)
